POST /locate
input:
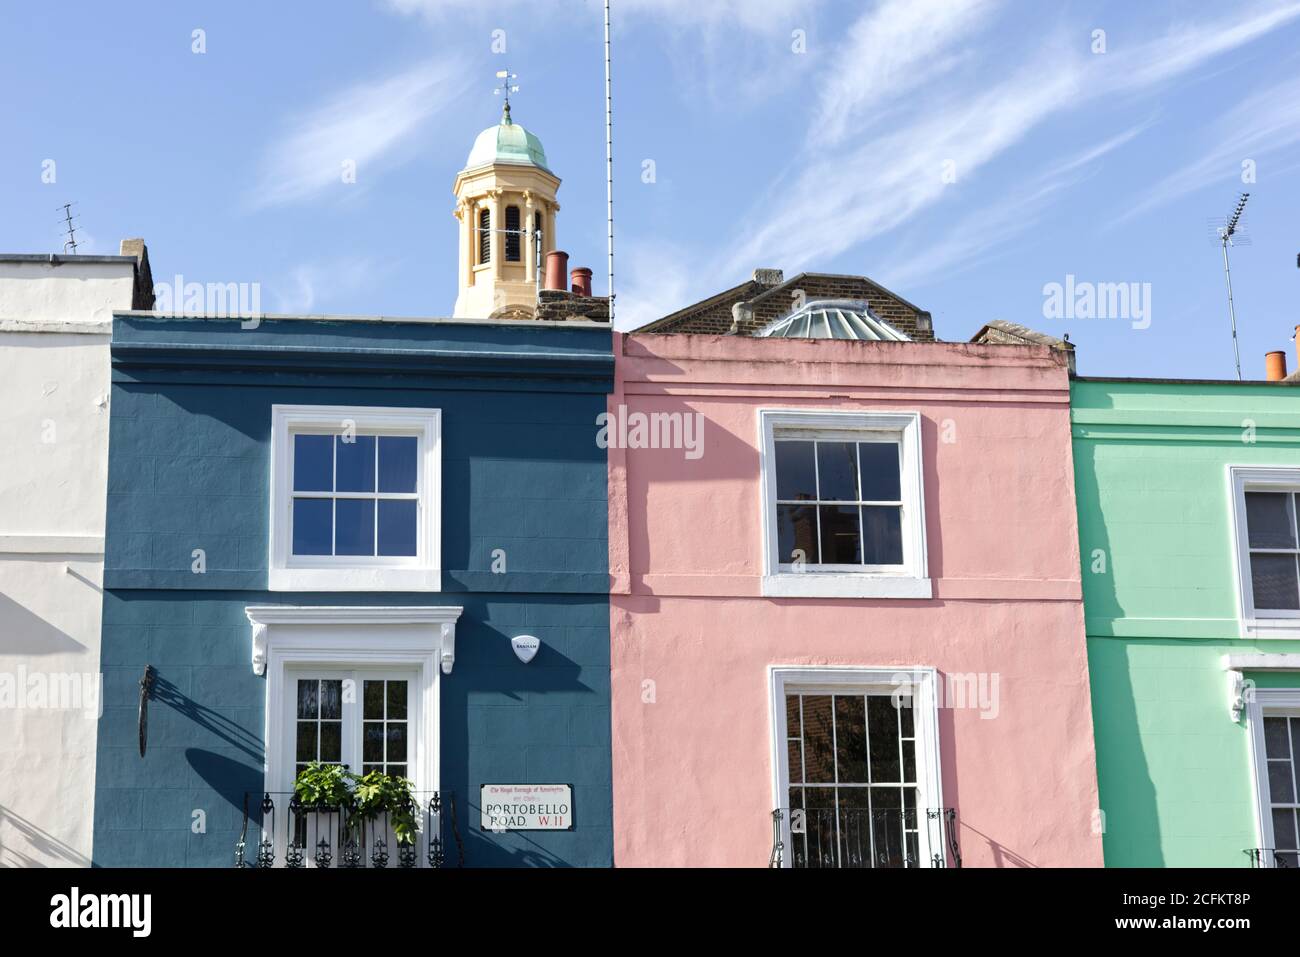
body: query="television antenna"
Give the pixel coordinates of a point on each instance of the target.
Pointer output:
(71, 243)
(1227, 233)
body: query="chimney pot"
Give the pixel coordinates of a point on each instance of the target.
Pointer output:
(557, 264)
(1275, 366)
(581, 281)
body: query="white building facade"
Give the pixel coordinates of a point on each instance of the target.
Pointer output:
(55, 323)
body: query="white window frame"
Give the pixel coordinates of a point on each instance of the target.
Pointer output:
(911, 580)
(834, 679)
(1261, 703)
(352, 720)
(289, 638)
(421, 572)
(1278, 623)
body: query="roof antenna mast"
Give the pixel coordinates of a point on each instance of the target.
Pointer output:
(71, 244)
(1226, 232)
(609, 164)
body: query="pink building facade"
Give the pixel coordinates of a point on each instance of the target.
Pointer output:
(848, 591)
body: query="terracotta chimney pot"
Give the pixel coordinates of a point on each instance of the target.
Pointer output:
(557, 264)
(1275, 366)
(581, 284)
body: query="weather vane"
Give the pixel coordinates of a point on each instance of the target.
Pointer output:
(507, 87)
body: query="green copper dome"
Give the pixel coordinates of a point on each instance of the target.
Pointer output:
(507, 142)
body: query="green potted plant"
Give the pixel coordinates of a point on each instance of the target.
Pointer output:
(362, 798)
(377, 792)
(324, 786)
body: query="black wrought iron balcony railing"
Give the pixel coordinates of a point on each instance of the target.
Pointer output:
(287, 833)
(1273, 857)
(862, 837)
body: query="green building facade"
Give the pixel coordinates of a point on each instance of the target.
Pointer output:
(1187, 496)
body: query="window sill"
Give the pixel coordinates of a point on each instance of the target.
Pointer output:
(354, 579)
(1270, 628)
(833, 585)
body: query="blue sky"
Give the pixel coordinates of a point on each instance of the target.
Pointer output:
(964, 153)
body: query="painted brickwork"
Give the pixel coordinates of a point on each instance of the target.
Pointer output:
(189, 464)
(1151, 463)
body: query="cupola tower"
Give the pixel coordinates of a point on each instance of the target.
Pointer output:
(505, 202)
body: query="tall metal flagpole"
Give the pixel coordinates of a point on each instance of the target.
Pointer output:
(609, 163)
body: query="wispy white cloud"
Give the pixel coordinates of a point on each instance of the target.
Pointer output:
(985, 234)
(308, 285)
(1263, 126)
(898, 46)
(756, 15)
(655, 278)
(881, 177)
(1188, 46)
(368, 125)
(881, 181)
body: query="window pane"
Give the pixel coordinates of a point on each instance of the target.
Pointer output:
(1281, 788)
(837, 472)
(905, 716)
(882, 534)
(331, 741)
(397, 771)
(331, 699)
(307, 698)
(313, 529)
(794, 761)
(841, 539)
(306, 750)
(397, 526)
(1275, 739)
(796, 529)
(792, 725)
(1284, 828)
(880, 471)
(819, 826)
(855, 826)
(851, 738)
(372, 697)
(356, 531)
(909, 761)
(397, 700)
(882, 719)
(397, 455)
(313, 463)
(372, 741)
(396, 741)
(356, 464)
(887, 827)
(1268, 520)
(1273, 581)
(796, 478)
(1295, 749)
(819, 749)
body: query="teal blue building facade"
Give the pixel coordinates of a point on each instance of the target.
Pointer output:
(299, 506)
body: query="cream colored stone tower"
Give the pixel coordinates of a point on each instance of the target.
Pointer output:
(505, 198)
